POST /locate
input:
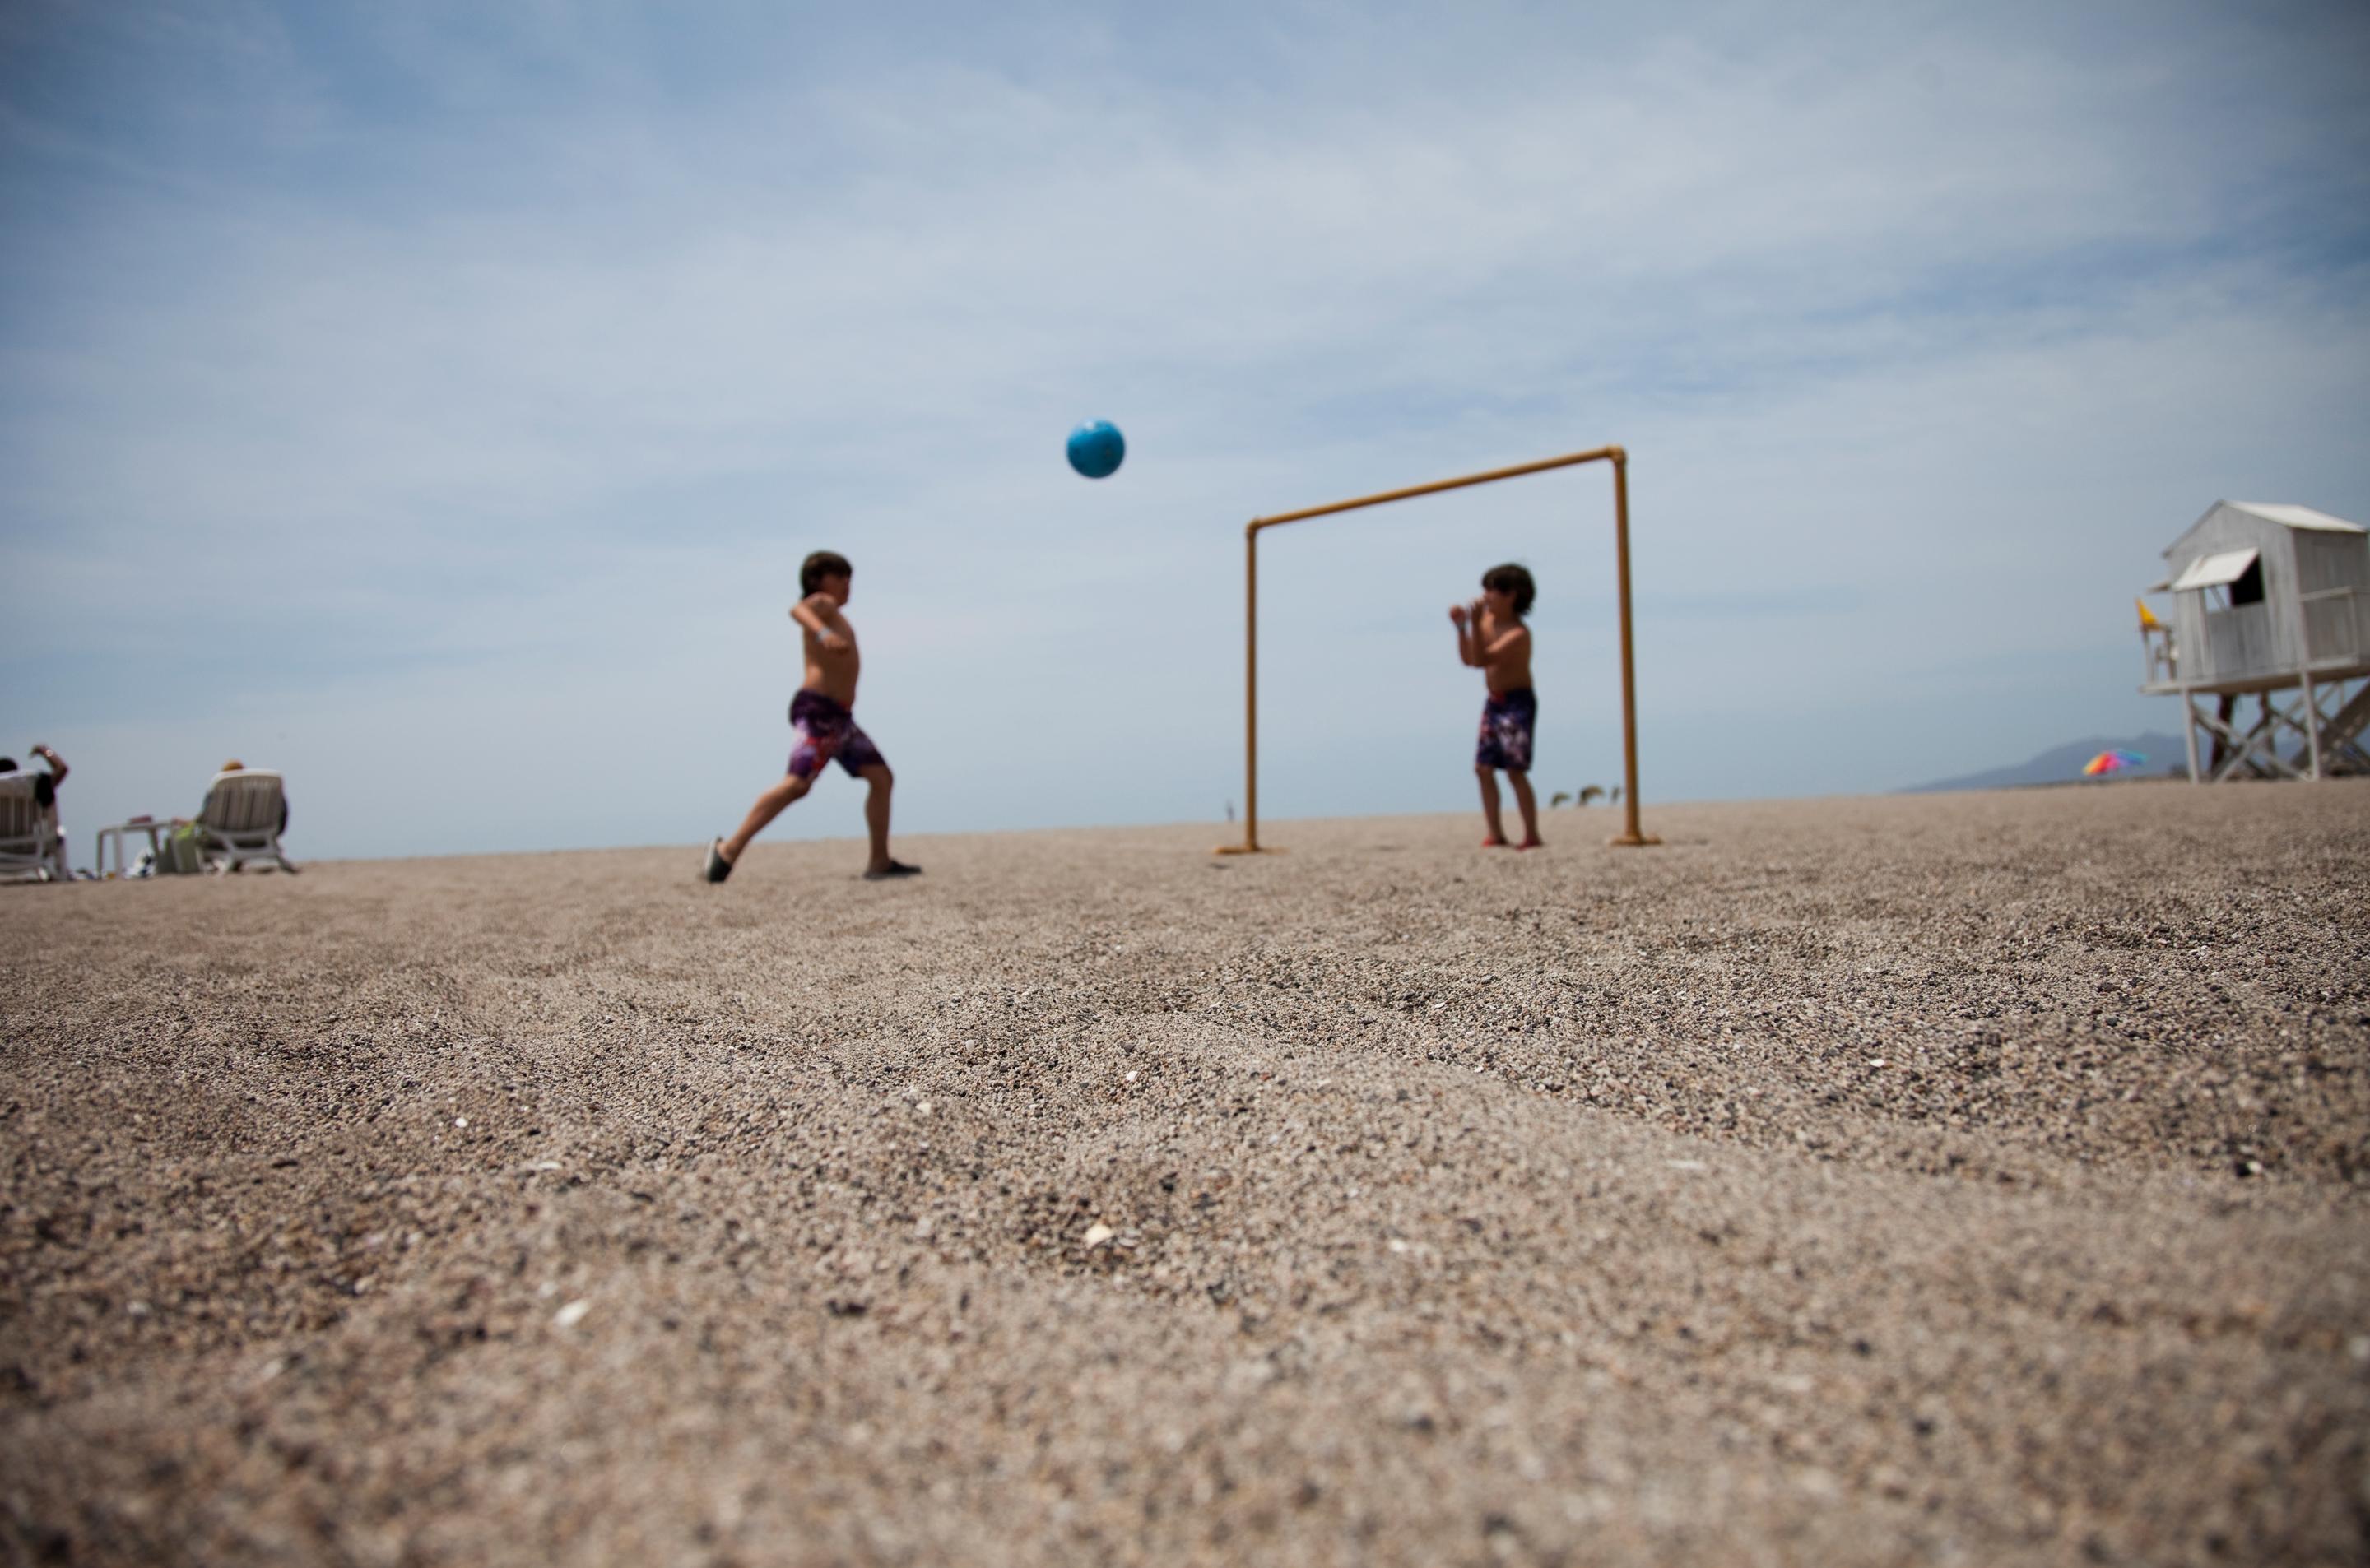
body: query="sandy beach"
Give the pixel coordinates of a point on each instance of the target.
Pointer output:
(1966, 1179)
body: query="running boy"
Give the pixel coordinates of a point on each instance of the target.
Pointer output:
(1491, 638)
(823, 717)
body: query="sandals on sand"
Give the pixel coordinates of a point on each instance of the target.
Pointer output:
(718, 868)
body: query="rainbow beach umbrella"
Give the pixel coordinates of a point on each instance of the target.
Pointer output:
(2107, 762)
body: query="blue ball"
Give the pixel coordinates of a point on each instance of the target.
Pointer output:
(1096, 448)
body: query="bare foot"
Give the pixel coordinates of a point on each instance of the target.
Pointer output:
(1533, 843)
(1493, 843)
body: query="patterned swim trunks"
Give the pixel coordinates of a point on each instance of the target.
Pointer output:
(1507, 721)
(826, 733)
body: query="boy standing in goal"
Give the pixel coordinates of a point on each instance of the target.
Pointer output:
(1491, 638)
(823, 717)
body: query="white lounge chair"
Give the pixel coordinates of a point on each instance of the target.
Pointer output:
(240, 820)
(29, 846)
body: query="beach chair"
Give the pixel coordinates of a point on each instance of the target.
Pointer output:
(28, 845)
(240, 820)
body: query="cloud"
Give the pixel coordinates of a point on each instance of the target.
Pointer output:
(404, 370)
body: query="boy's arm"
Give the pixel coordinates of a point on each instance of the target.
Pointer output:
(805, 613)
(57, 764)
(1464, 630)
(1500, 645)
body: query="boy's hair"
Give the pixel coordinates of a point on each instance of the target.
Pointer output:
(821, 565)
(1514, 581)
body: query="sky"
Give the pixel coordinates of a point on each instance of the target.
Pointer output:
(434, 401)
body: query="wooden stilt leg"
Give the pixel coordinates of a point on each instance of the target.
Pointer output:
(2311, 725)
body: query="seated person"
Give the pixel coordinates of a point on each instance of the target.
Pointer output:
(234, 766)
(45, 792)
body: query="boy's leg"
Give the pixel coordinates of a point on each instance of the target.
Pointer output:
(876, 811)
(769, 805)
(1488, 777)
(1530, 805)
(863, 758)
(817, 743)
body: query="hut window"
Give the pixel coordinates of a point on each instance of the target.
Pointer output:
(2234, 576)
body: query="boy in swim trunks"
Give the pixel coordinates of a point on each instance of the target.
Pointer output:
(1490, 636)
(823, 717)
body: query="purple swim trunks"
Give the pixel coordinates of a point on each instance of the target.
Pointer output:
(1507, 720)
(828, 732)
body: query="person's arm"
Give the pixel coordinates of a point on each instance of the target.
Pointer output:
(57, 764)
(1502, 645)
(805, 613)
(1464, 630)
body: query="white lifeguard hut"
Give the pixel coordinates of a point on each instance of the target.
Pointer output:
(2270, 602)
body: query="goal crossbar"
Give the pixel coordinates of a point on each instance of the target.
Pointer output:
(1633, 834)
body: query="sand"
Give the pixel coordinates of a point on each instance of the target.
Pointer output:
(1957, 1179)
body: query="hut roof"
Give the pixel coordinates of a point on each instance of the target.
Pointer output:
(2298, 517)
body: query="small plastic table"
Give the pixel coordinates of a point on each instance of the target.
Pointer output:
(148, 825)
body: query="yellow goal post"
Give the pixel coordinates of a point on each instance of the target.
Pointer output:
(1632, 835)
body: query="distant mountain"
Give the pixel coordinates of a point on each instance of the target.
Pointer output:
(2063, 764)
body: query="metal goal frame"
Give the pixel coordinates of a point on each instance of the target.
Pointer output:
(1632, 835)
